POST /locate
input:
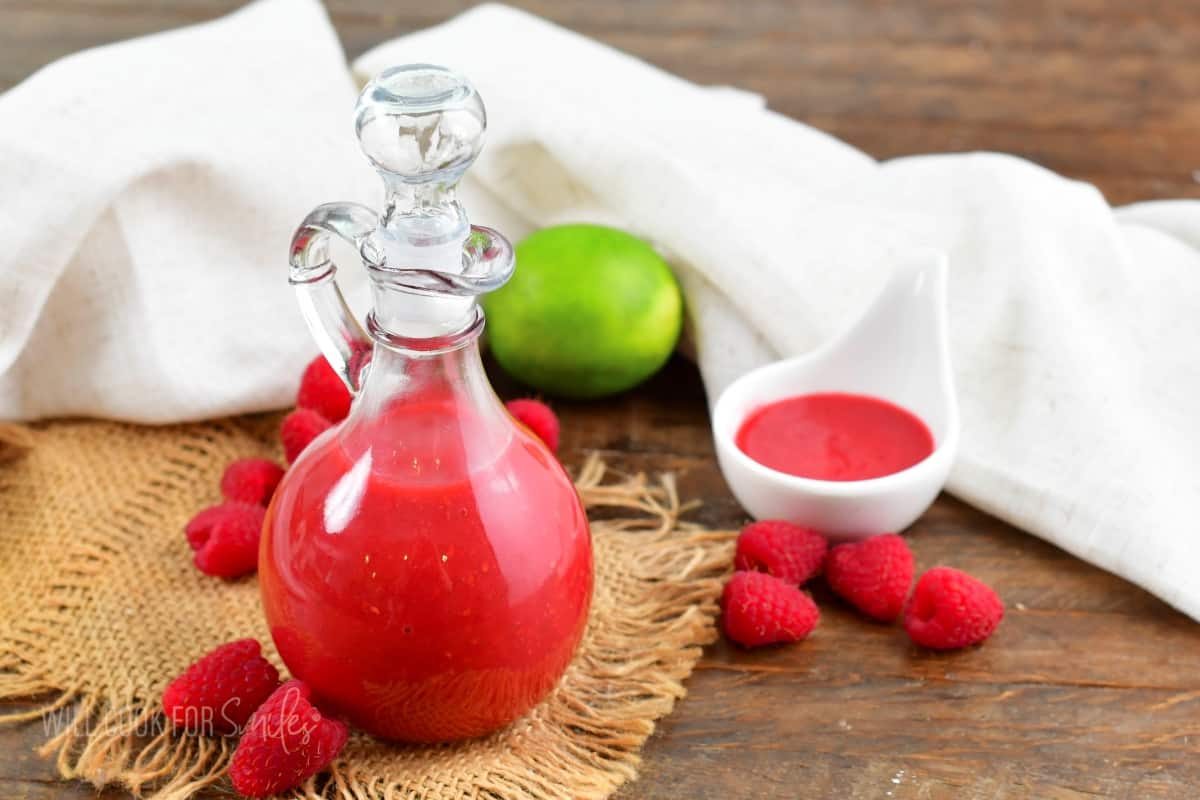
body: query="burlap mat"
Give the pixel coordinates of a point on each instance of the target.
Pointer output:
(100, 607)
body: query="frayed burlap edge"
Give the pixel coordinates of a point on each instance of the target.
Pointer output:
(581, 743)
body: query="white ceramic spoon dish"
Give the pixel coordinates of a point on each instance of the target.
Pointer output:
(898, 351)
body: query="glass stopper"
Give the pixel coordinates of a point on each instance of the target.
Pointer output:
(420, 123)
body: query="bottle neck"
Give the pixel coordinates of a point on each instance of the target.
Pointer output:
(400, 315)
(427, 364)
(432, 368)
(431, 375)
(426, 411)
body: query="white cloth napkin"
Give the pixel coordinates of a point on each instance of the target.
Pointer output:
(144, 263)
(151, 189)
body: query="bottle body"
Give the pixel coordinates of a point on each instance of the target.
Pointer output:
(426, 567)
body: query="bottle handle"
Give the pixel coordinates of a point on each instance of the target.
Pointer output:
(339, 335)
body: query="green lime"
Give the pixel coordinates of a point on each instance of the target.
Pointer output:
(590, 311)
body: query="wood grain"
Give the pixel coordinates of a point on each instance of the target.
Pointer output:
(1091, 687)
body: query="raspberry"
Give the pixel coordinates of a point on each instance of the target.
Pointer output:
(251, 480)
(779, 548)
(286, 742)
(872, 575)
(225, 538)
(218, 693)
(299, 428)
(538, 417)
(950, 609)
(759, 609)
(321, 390)
(200, 526)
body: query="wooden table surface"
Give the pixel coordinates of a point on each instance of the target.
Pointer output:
(1091, 688)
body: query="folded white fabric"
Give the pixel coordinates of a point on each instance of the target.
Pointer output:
(142, 264)
(150, 192)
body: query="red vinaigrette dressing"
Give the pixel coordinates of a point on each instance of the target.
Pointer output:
(835, 436)
(420, 598)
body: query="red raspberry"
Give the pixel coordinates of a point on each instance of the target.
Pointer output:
(218, 693)
(538, 417)
(950, 609)
(759, 609)
(779, 548)
(251, 480)
(872, 575)
(225, 538)
(199, 527)
(286, 742)
(299, 429)
(321, 390)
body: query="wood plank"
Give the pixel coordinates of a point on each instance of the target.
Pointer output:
(873, 738)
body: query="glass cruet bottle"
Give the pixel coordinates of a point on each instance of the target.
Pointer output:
(426, 565)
